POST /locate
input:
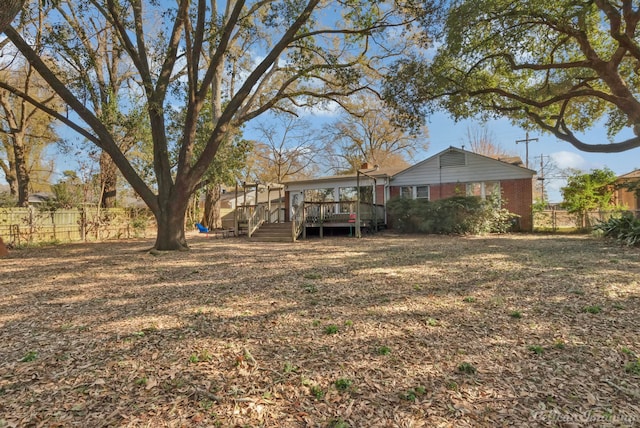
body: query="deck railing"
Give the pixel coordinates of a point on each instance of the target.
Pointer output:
(256, 219)
(342, 212)
(297, 221)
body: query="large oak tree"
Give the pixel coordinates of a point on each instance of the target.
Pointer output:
(299, 51)
(561, 66)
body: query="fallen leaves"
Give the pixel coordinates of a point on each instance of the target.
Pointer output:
(234, 333)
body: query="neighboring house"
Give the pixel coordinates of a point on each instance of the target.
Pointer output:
(624, 196)
(459, 172)
(451, 172)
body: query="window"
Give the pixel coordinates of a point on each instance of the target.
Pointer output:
(483, 189)
(422, 192)
(318, 195)
(406, 192)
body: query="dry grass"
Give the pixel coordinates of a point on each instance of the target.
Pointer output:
(386, 331)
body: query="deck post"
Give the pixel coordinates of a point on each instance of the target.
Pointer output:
(321, 219)
(357, 225)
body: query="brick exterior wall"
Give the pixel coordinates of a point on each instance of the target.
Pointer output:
(518, 195)
(446, 190)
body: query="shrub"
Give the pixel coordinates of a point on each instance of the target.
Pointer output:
(458, 214)
(624, 228)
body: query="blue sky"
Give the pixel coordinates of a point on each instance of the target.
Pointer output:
(444, 132)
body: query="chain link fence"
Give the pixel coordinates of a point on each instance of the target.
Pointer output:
(557, 220)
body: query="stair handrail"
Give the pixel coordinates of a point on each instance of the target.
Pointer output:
(297, 220)
(255, 220)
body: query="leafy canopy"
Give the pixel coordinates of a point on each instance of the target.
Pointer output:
(561, 66)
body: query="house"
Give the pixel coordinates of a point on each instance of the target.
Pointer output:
(455, 171)
(624, 196)
(332, 201)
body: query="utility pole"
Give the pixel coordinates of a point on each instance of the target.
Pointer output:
(542, 177)
(526, 142)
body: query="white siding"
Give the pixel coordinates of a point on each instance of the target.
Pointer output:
(328, 184)
(477, 168)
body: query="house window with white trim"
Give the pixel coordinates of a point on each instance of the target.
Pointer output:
(483, 189)
(422, 192)
(406, 192)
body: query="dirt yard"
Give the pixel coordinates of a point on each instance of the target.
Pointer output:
(386, 331)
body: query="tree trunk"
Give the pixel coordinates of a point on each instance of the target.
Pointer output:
(108, 181)
(22, 174)
(12, 180)
(212, 218)
(170, 220)
(9, 10)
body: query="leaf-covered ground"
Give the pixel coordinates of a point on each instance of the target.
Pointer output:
(386, 331)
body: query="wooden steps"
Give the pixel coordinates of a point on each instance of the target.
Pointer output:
(273, 232)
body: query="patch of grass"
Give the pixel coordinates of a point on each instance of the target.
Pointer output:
(515, 314)
(633, 367)
(595, 309)
(343, 384)
(317, 392)
(383, 350)
(414, 393)
(578, 292)
(432, 322)
(452, 386)
(29, 356)
(348, 323)
(312, 275)
(331, 329)
(142, 381)
(316, 323)
(202, 356)
(289, 368)
(339, 423)
(559, 344)
(628, 351)
(467, 368)
(469, 299)
(536, 349)
(310, 288)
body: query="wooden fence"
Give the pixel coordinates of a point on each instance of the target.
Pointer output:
(20, 226)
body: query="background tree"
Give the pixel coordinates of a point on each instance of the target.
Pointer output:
(482, 141)
(588, 192)
(367, 132)
(309, 53)
(99, 74)
(285, 151)
(24, 129)
(560, 66)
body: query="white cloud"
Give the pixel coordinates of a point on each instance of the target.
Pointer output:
(564, 159)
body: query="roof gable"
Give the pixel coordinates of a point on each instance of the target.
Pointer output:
(457, 165)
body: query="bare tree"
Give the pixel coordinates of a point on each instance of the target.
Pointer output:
(366, 132)
(285, 151)
(482, 141)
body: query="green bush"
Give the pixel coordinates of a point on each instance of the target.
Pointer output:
(624, 229)
(458, 214)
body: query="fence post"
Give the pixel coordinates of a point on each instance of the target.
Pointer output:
(83, 224)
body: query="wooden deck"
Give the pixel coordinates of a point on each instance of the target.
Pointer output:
(319, 215)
